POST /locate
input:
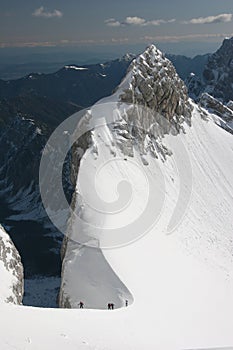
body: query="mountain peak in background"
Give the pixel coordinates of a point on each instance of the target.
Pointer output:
(218, 73)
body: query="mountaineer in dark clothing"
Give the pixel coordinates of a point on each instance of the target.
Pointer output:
(81, 305)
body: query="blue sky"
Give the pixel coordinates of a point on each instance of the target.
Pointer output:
(103, 22)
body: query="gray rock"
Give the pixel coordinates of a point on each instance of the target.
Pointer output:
(13, 269)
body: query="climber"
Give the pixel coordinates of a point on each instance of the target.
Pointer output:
(126, 303)
(109, 306)
(81, 305)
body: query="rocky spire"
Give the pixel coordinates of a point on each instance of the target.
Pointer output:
(218, 73)
(152, 81)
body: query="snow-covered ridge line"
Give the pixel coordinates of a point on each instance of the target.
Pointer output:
(76, 68)
(167, 94)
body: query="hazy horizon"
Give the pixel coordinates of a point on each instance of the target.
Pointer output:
(94, 53)
(112, 29)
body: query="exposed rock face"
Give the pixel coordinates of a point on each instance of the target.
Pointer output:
(230, 105)
(214, 91)
(224, 113)
(152, 84)
(217, 76)
(11, 269)
(194, 85)
(216, 107)
(156, 85)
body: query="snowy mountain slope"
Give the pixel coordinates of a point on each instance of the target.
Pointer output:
(152, 80)
(182, 281)
(179, 285)
(11, 271)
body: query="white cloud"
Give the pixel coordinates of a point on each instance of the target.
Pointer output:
(142, 22)
(222, 18)
(41, 12)
(136, 21)
(112, 22)
(180, 38)
(158, 22)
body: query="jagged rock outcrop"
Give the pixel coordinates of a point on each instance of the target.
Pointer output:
(218, 73)
(216, 107)
(152, 84)
(230, 105)
(214, 90)
(11, 271)
(194, 85)
(155, 84)
(217, 76)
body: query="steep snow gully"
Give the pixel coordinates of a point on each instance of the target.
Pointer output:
(176, 270)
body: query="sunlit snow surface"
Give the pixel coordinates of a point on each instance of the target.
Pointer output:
(181, 283)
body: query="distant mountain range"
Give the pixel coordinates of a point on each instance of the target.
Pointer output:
(77, 85)
(9, 71)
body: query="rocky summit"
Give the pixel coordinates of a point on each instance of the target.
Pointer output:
(155, 84)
